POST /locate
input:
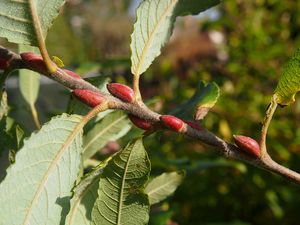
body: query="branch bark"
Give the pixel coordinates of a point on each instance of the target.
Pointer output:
(230, 151)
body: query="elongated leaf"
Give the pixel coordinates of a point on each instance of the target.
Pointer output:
(37, 188)
(16, 22)
(200, 103)
(154, 26)
(192, 7)
(163, 186)
(114, 126)
(29, 81)
(120, 196)
(289, 82)
(85, 195)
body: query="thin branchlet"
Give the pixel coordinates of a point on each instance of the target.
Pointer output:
(230, 151)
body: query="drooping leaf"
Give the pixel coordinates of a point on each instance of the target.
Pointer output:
(204, 98)
(85, 195)
(163, 186)
(16, 21)
(154, 26)
(289, 82)
(29, 81)
(37, 188)
(120, 197)
(114, 126)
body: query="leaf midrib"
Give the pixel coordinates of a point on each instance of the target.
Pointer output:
(151, 38)
(69, 140)
(122, 186)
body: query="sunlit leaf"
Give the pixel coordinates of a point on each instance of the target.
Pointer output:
(16, 21)
(163, 186)
(37, 188)
(154, 26)
(204, 98)
(289, 82)
(120, 196)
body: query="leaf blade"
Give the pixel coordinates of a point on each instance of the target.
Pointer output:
(120, 198)
(163, 186)
(17, 26)
(29, 81)
(46, 177)
(114, 126)
(289, 82)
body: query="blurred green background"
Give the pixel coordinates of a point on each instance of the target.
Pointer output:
(242, 46)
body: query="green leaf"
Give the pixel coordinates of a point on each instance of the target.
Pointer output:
(114, 126)
(289, 82)
(152, 30)
(29, 81)
(120, 197)
(192, 7)
(37, 188)
(207, 98)
(154, 26)
(85, 195)
(200, 103)
(16, 21)
(163, 186)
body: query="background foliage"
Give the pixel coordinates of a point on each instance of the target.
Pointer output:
(241, 45)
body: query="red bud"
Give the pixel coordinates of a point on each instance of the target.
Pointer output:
(247, 144)
(4, 64)
(141, 123)
(34, 62)
(72, 74)
(88, 97)
(193, 125)
(172, 122)
(121, 91)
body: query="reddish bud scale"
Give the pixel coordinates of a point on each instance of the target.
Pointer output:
(4, 64)
(72, 74)
(88, 97)
(193, 125)
(247, 144)
(121, 92)
(141, 123)
(34, 62)
(172, 122)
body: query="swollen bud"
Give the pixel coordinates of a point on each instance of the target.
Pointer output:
(194, 125)
(88, 97)
(34, 62)
(247, 144)
(172, 122)
(72, 74)
(121, 91)
(141, 123)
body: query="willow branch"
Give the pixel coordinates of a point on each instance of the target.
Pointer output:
(228, 150)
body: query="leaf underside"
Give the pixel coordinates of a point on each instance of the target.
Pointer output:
(16, 22)
(154, 26)
(37, 188)
(163, 186)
